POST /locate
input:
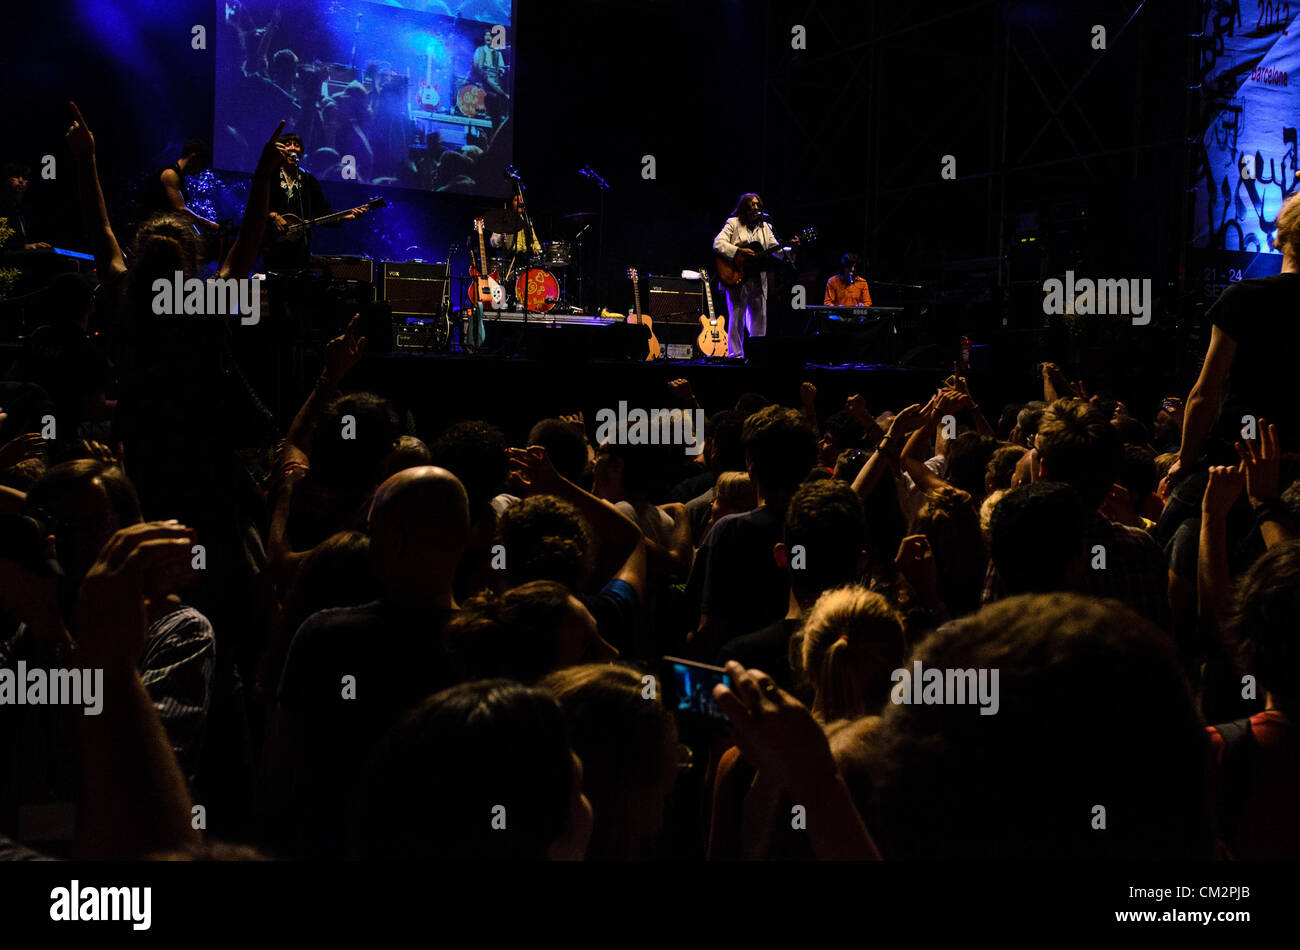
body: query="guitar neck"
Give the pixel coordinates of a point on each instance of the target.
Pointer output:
(327, 218)
(482, 254)
(636, 298)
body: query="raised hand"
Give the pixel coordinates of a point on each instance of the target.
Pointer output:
(916, 562)
(532, 472)
(1262, 460)
(138, 564)
(911, 418)
(19, 448)
(344, 351)
(681, 390)
(275, 154)
(79, 137)
(775, 732)
(808, 394)
(856, 406)
(96, 450)
(1223, 489)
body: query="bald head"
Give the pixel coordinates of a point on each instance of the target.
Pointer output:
(419, 510)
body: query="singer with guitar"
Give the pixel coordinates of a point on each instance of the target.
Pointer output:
(298, 193)
(746, 239)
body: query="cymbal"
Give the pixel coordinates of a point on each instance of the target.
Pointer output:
(580, 214)
(503, 221)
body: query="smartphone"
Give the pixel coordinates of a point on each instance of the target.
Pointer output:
(692, 685)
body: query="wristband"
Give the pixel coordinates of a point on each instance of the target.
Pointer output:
(1271, 510)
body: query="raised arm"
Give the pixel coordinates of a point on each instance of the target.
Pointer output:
(887, 449)
(1203, 403)
(1262, 459)
(244, 252)
(134, 800)
(777, 734)
(1213, 582)
(615, 535)
(341, 354)
(94, 212)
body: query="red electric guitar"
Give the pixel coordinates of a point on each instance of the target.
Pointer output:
(487, 290)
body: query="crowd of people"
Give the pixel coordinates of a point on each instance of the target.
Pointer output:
(366, 121)
(342, 640)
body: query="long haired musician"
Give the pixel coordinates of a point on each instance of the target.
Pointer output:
(746, 234)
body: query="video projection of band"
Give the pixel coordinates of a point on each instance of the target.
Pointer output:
(411, 95)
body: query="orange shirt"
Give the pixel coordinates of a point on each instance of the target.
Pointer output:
(838, 294)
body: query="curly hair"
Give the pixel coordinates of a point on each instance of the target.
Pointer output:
(546, 539)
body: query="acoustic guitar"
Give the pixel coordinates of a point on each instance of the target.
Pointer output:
(295, 227)
(638, 317)
(752, 259)
(712, 340)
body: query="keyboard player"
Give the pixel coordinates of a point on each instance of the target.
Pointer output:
(847, 289)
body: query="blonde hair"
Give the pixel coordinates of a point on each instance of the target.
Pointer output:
(1288, 225)
(986, 510)
(847, 651)
(735, 491)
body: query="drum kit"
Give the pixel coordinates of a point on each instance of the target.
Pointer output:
(538, 282)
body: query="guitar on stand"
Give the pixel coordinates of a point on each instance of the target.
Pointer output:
(712, 340)
(638, 317)
(485, 290)
(428, 94)
(751, 258)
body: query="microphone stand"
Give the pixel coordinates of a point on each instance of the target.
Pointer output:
(603, 186)
(528, 257)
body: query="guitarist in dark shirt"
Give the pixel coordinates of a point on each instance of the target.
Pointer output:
(299, 194)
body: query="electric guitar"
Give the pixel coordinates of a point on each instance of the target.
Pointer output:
(636, 316)
(429, 98)
(295, 227)
(751, 258)
(712, 340)
(486, 290)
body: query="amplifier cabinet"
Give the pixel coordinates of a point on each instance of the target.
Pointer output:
(414, 288)
(675, 299)
(343, 268)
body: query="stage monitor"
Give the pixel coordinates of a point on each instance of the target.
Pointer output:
(416, 94)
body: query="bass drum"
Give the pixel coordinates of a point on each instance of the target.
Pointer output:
(471, 100)
(543, 290)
